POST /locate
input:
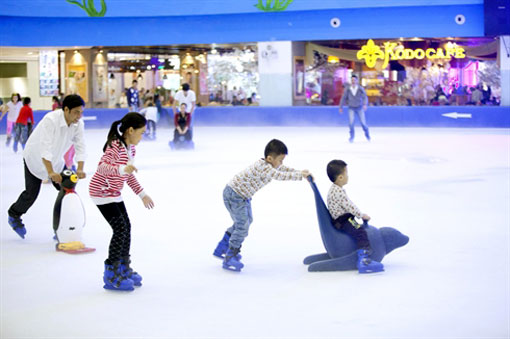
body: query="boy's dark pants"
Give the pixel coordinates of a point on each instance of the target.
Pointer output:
(346, 223)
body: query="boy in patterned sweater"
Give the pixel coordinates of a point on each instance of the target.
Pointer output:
(237, 197)
(343, 211)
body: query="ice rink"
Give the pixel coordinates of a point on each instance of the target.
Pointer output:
(447, 189)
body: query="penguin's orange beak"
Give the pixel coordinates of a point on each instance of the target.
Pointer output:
(74, 178)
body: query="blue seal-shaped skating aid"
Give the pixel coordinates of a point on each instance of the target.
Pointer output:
(341, 249)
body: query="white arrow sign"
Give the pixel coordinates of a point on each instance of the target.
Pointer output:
(455, 115)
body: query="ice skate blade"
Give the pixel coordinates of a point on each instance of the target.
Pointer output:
(369, 271)
(21, 232)
(238, 257)
(232, 268)
(219, 256)
(108, 287)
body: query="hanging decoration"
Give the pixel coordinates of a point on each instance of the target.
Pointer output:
(273, 5)
(90, 8)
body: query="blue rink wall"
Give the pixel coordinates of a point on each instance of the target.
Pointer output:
(383, 116)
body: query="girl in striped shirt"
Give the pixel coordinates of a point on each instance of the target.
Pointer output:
(116, 167)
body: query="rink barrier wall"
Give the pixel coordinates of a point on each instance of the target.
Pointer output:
(377, 116)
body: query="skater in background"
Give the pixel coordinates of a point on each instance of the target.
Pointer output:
(237, 197)
(182, 123)
(56, 103)
(115, 168)
(356, 100)
(69, 158)
(133, 97)
(151, 114)
(23, 127)
(185, 96)
(12, 108)
(43, 155)
(343, 211)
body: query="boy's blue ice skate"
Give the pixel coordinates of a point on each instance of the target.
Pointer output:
(222, 247)
(231, 262)
(367, 265)
(18, 226)
(113, 279)
(127, 272)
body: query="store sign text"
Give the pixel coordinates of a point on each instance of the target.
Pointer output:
(371, 53)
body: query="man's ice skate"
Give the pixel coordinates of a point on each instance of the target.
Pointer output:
(18, 226)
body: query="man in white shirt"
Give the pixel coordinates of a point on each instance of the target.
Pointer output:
(185, 96)
(43, 156)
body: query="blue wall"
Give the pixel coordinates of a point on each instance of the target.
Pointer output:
(387, 116)
(153, 8)
(356, 23)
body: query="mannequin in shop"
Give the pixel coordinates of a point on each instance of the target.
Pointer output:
(123, 100)
(112, 95)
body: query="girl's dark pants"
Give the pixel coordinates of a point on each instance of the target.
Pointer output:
(116, 215)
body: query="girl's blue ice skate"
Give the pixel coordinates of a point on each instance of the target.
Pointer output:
(127, 272)
(113, 279)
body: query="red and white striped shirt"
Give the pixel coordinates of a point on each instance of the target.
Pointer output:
(108, 181)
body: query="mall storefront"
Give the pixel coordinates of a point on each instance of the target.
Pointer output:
(414, 71)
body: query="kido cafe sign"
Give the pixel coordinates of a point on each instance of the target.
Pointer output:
(371, 53)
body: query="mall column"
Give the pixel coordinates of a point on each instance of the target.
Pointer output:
(275, 72)
(504, 59)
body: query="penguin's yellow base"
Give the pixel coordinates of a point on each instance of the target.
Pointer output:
(73, 247)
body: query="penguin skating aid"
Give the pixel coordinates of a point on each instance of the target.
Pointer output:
(69, 217)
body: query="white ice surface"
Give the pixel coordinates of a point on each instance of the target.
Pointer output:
(447, 189)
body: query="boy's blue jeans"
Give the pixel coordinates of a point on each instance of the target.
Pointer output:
(240, 211)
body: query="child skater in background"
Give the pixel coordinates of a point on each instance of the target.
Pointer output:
(23, 128)
(237, 197)
(12, 107)
(343, 211)
(151, 114)
(116, 167)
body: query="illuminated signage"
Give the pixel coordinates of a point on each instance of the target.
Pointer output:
(371, 53)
